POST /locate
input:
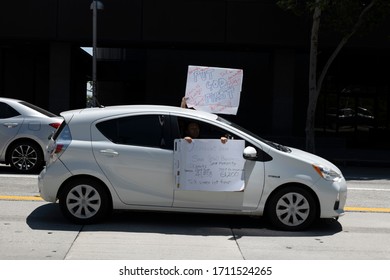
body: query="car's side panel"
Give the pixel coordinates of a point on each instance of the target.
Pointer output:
(9, 128)
(140, 175)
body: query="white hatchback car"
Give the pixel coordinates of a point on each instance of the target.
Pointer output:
(25, 130)
(126, 157)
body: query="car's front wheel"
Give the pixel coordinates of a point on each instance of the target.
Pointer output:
(84, 201)
(26, 157)
(292, 208)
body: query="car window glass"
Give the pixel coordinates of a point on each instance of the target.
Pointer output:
(206, 130)
(7, 111)
(38, 109)
(59, 130)
(144, 130)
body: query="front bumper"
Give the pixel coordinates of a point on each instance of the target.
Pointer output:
(334, 197)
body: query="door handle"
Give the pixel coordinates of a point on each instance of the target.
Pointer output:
(109, 152)
(10, 124)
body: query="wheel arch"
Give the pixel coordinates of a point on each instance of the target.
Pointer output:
(21, 140)
(299, 185)
(86, 177)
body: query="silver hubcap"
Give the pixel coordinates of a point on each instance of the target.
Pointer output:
(24, 157)
(83, 201)
(292, 209)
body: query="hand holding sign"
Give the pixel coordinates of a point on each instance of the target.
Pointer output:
(213, 89)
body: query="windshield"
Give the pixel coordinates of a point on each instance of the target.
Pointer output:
(270, 143)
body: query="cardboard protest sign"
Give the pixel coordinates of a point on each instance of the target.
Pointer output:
(209, 165)
(214, 89)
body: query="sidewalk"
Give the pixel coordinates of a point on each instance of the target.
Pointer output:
(359, 163)
(335, 151)
(365, 172)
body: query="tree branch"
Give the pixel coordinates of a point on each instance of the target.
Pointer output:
(343, 41)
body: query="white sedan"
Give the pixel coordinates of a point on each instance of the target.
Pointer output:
(25, 130)
(134, 157)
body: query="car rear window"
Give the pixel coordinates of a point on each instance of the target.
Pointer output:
(146, 130)
(40, 110)
(7, 111)
(59, 130)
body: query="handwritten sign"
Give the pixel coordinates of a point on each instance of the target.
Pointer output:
(214, 89)
(209, 165)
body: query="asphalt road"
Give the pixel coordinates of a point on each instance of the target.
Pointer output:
(35, 230)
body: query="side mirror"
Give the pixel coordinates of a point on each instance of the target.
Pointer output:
(250, 153)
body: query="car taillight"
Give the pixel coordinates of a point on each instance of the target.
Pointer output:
(59, 148)
(59, 142)
(55, 125)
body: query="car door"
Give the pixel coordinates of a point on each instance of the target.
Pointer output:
(136, 155)
(10, 123)
(247, 199)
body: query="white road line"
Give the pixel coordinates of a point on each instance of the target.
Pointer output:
(17, 176)
(369, 189)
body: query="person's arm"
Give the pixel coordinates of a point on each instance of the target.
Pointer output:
(189, 139)
(183, 102)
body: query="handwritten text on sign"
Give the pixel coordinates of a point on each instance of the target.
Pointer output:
(209, 165)
(214, 89)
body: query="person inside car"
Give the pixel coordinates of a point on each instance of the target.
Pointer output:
(192, 131)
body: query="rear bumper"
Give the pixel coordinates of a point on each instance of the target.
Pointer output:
(49, 182)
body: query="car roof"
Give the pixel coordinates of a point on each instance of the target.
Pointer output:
(10, 100)
(91, 114)
(26, 108)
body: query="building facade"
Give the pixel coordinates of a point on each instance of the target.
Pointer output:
(146, 46)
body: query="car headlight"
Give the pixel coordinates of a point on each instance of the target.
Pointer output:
(327, 173)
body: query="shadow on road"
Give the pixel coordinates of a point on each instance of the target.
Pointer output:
(6, 169)
(49, 217)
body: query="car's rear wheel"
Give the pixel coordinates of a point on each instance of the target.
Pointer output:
(84, 201)
(26, 157)
(292, 208)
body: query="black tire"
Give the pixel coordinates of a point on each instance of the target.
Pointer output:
(292, 208)
(26, 157)
(84, 201)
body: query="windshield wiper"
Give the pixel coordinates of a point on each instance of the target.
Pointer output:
(279, 147)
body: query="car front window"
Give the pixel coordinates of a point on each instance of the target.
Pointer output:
(206, 130)
(225, 121)
(270, 143)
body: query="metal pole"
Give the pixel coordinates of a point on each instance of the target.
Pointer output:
(94, 53)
